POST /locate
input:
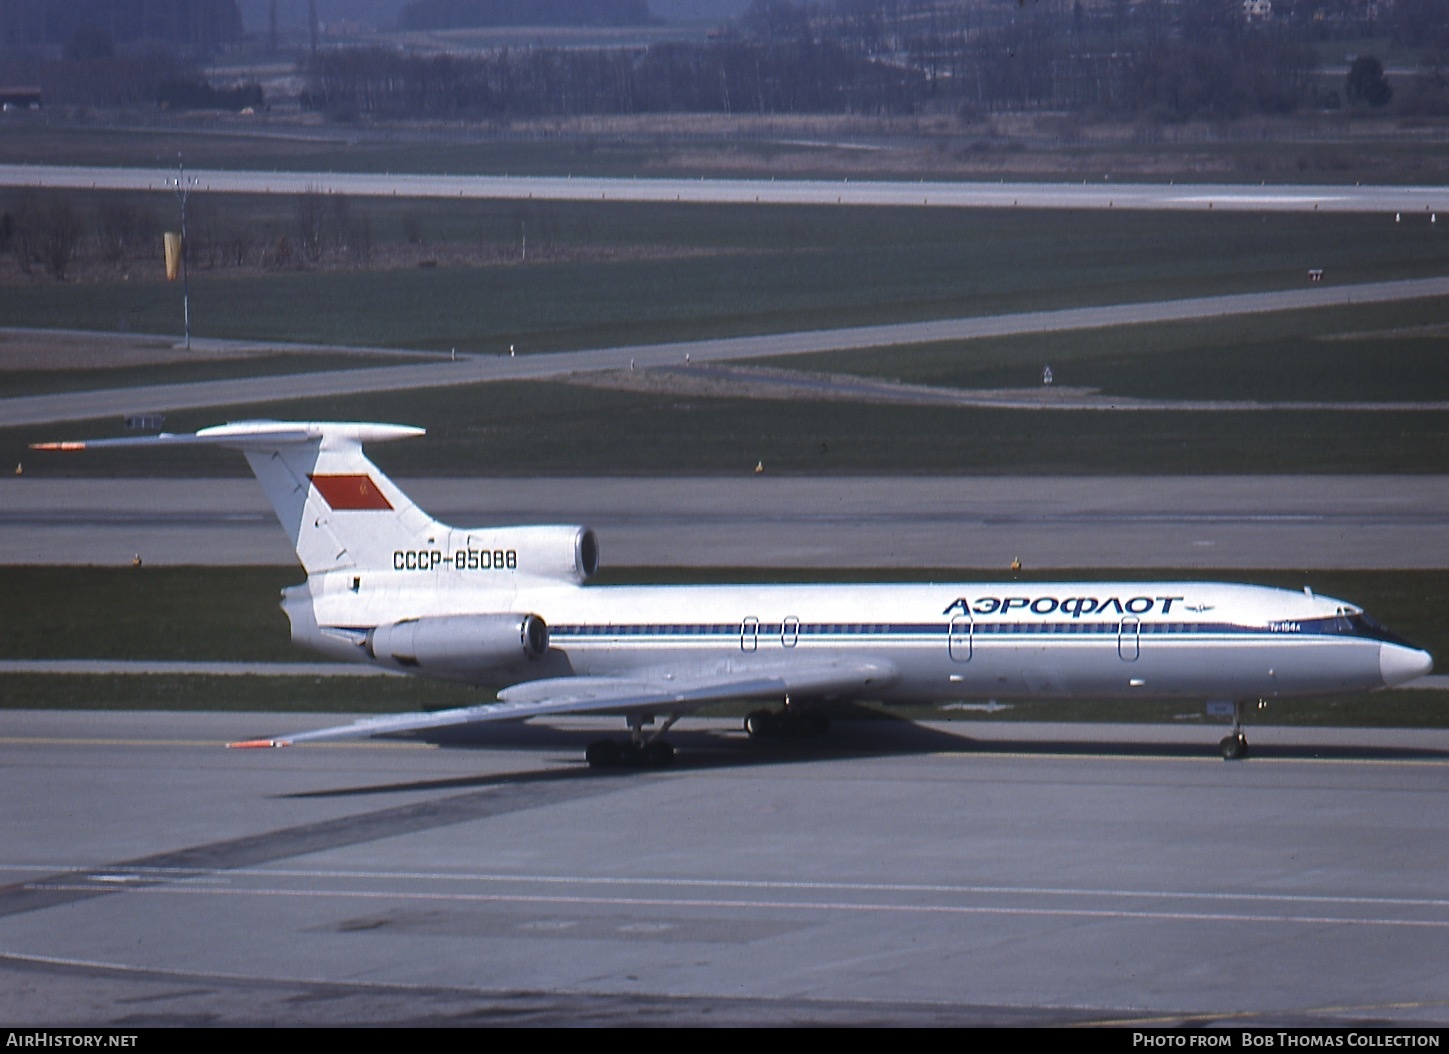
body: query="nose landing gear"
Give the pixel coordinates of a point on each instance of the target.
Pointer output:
(1234, 746)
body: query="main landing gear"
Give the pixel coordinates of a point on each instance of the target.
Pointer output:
(789, 721)
(642, 750)
(1234, 746)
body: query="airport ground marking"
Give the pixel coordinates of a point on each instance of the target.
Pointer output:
(720, 904)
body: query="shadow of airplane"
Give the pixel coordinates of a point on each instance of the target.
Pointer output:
(855, 733)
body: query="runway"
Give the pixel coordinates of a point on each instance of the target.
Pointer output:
(1220, 522)
(1425, 200)
(981, 873)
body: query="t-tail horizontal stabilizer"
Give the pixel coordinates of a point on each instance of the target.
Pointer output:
(339, 509)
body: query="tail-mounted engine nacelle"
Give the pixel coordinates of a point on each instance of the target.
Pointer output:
(567, 553)
(459, 647)
(559, 553)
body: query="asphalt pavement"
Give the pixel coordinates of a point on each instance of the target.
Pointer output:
(1218, 523)
(968, 873)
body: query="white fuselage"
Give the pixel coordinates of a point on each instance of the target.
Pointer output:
(509, 607)
(950, 641)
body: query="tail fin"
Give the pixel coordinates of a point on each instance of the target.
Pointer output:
(338, 508)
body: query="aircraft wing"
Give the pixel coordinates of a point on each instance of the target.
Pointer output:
(662, 690)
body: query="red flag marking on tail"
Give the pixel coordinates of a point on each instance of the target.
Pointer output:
(350, 492)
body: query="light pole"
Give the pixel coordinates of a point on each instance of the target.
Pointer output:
(183, 190)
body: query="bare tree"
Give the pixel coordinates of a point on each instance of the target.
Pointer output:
(47, 230)
(359, 240)
(60, 234)
(311, 223)
(202, 222)
(23, 230)
(236, 245)
(123, 229)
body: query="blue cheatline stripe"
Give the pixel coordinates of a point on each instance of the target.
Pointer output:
(889, 631)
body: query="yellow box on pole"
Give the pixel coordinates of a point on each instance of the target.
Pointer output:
(173, 255)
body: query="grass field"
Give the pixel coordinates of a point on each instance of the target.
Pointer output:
(539, 429)
(15, 383)
(1362, 353)
(730, 270)
(561, 430)
(230, 614)
(558, 429)
(260, 148)
(1009, 146)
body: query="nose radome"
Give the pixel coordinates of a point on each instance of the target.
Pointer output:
(1399, 665)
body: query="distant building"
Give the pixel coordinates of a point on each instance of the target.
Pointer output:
(20, 98)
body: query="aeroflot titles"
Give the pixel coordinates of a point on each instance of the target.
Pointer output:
(1076, 607)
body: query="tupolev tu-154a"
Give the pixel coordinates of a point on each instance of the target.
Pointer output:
(390, 586)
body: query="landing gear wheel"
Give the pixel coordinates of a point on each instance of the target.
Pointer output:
(760, 724)
(612, 754)
(604, 754)
(1234, 747)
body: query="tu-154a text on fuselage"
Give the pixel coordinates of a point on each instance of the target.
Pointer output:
(389, 585)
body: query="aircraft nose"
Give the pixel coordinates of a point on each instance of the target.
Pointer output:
(1398, 664)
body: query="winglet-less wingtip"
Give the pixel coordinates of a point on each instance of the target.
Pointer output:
(248, 744)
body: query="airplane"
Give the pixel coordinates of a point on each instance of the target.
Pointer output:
(389, 586)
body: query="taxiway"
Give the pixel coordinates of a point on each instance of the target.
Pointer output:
(975, 873)
(1227, 522)
(1159, 197)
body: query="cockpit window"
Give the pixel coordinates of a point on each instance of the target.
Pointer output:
(1347, 622)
